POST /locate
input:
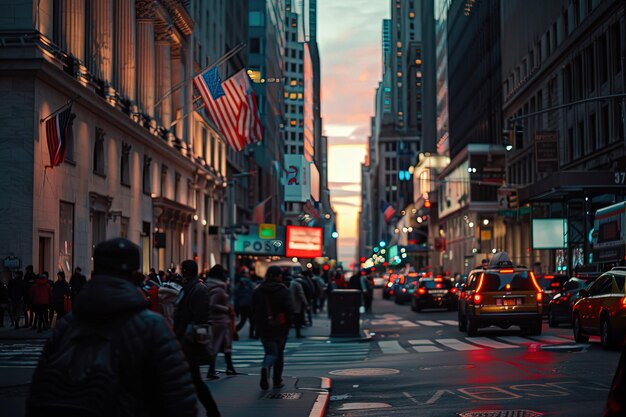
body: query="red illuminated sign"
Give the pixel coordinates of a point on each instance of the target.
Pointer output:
(304, 242)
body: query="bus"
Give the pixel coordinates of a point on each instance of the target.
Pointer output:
(609, 236)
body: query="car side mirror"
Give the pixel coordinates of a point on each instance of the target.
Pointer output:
(583, 293)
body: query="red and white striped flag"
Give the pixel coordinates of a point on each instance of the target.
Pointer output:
(56, 134)
(232, 106)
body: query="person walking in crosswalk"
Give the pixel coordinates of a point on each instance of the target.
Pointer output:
(271, 306)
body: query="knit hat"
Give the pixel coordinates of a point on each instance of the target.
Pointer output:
(119, 257)
(218, 272)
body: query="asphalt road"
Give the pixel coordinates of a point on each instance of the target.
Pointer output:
(418, 364)
(421, 364)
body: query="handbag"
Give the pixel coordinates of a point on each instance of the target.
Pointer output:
(198, 343)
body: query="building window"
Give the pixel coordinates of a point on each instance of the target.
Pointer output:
(98, 228)
(125, 165)
(603, 59)
(147, 177)
(616, 48)
(255, 45)
(66, 237)
(580, 141)
(124, 223)
(592, 140)
(176, 185)
(590, 63)
(618, 123)
(219, 157)
(69, 141)
(98, 153)
(163, 180)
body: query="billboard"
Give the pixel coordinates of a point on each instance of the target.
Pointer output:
(258, 242)
(549, 233)
(304, 242)
(298, 178)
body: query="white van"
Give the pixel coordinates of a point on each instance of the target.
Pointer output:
(289, 267)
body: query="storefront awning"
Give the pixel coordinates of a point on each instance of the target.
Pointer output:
(564, 184)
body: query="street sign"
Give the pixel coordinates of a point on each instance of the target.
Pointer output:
(547, 152)
(250, 243)
(267, 231)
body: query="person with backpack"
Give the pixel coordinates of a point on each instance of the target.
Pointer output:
(111, 356)
(243, 301)
(272, 309)
(193, 310)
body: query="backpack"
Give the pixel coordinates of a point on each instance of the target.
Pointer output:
(82, 374)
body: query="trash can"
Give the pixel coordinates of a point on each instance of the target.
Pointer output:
(344, 313)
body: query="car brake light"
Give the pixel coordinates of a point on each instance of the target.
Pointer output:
(391, 292)
(403, 290)
(554, 284)
(422, 291)
(507, 271)
(453, 290)
(539, 296)
(439, 286)
(548, 276)
(534, 281)
(623, 301)
(477, 298)
(480, 283)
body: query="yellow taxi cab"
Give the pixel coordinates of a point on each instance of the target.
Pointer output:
(502, 295)
(601, 309)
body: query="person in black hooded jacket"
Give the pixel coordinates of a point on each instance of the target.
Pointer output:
(273, 311)
(142, 368)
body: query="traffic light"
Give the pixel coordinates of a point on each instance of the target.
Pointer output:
(427, 204)
(511, 199)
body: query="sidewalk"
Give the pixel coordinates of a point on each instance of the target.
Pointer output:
(236, 396)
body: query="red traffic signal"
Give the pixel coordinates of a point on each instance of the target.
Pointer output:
(326, 267)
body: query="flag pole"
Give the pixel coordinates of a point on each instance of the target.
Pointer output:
(220, 61)
(60, 109)
(184, 116)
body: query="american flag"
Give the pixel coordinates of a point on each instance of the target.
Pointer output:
(387, 209)
(56, 134)
(232, 106)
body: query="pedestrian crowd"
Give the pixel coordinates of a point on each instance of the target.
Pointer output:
(128, 344)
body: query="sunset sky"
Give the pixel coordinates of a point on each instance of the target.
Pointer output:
(349, 37)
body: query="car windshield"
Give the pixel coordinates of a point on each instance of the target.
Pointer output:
(432, 285)
(517, 281)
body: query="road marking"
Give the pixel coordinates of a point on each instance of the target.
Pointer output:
(457, 344)
(516, 339)
(421, 342)
(449, 322)
(429, 323)
(426, 349)
(391, 346)
(485, 341)
(551, 339)
(406, 323)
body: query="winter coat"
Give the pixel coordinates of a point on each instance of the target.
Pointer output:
(243, 292)
(59, 290)
(298, 297)
(219, 316)
(41, 292)
(77, 282)
(168, 294)
(192, 307)
(4, 293)
(275, 295)
(29, 280)
(155, 378)
(17, 289)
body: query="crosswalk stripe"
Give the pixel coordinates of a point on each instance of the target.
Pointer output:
(406, 323)
(551, 339)
(427, 348)
(449, 322)
(457, 344)
(516, 340)
(391, 346)
(485, 341)
(429, 323)
(421, 342)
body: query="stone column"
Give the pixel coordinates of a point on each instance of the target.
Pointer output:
(101, 59)
(73, 27)
(177, 96)
(145, 57)
(125, 40)
(163, 80)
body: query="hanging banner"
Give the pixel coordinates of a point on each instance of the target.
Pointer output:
(297, 178)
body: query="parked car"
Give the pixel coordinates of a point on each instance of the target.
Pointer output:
(601, 309)
(503, 295)
(560, 307)
(551, 285)
(434, 293)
